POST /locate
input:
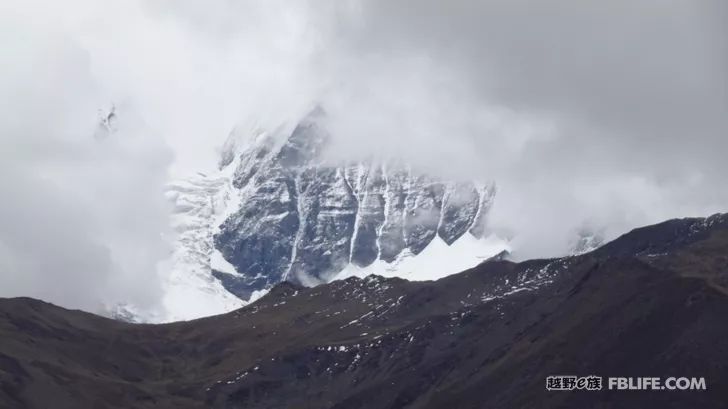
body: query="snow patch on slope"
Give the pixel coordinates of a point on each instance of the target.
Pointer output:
(190, 289)
(218, 262)
(436, 261)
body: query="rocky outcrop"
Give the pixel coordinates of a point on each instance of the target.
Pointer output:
(303, 220)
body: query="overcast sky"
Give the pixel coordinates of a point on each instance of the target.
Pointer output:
(587, 114)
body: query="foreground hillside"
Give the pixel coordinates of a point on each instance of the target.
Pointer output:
(651, 303)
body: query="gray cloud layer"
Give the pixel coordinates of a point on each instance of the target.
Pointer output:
(603, 115)
(82, 214)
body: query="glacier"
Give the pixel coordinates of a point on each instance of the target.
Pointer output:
(277, 209)
(304, 219)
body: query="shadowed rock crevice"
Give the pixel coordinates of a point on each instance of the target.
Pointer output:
(305, 220)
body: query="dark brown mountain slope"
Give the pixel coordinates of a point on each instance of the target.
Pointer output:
(652, 303)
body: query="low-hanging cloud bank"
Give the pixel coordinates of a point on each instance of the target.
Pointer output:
(588, 115)
(83, 216)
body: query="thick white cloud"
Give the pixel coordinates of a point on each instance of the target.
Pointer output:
(83, 216)
(84, 222)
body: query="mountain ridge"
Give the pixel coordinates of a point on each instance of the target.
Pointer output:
(304, 220)
(500, 327)
(278, 209)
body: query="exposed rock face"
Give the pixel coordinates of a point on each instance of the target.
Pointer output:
(303, 220)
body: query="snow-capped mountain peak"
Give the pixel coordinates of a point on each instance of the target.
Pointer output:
(306, 220)
(276, 211)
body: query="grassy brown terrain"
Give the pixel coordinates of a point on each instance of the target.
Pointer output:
(652, 303)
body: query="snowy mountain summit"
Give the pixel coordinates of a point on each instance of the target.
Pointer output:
(301, 219)
(280, 211)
